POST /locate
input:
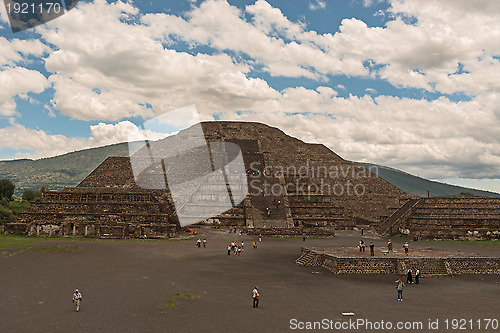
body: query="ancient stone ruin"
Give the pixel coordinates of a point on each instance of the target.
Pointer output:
(449, 217)
(430, 264)
(294, 188)
(106, 204)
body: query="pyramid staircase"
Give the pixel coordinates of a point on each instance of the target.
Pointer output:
(396, 218)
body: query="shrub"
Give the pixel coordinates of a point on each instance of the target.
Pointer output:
(30, 195)
(6, 189)
(6, 215)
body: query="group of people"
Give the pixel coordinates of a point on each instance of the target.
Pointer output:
(235, 248)
(362, 247)
(409, 276)
(199, 242)
(390, 247)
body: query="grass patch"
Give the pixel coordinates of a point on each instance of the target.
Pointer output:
(60, 248)
(174, 301)
(18, 206)
(465, 241)
(8, 241)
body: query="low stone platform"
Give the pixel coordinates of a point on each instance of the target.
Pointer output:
(430, 262)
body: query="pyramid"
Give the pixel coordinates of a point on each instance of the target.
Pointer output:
(293, 188)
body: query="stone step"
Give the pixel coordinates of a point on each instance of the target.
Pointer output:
(308, 259)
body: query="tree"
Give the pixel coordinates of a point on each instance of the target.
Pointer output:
(30, 195)
(6, 189)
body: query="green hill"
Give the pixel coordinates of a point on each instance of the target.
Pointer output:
(58, 172)
(70, 169)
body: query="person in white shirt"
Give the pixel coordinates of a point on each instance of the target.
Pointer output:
(77, 297)
(255, 297)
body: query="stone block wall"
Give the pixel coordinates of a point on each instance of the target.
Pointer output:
(428, 266)
(454, 217)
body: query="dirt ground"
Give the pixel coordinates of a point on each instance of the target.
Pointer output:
(124, 282)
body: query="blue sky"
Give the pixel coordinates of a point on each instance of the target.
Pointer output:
(405, 84)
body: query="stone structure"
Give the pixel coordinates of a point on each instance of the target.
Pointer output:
(447, 265)
(106, 204)
(295, 188)
(450, 217)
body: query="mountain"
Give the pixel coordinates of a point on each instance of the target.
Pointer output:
(70, 169)
(57, 172)
(415, 185)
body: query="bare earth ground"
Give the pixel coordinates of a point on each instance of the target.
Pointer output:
(123, 282)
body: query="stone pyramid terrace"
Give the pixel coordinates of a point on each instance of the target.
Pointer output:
(431, 262)
(294, 188)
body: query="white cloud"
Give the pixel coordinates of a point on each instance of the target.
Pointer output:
(125, 71)
(16, 50)
(15, 81)
(317, 4)
(103, 134)
(40, 144)
(307, 53)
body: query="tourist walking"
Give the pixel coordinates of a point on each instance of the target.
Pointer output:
(242, 245)
(406, 247)
(198, 242)
(304, 236)
(362, 231)
(260, 238)
(255, 297)
(204, 242)
(389, 246)
(417, 276)
(400, 288)
(372, 249)
(77, 297)
(254, 245)
(229, 250)
(409, 276)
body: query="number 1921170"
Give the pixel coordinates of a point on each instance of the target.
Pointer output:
(31, 8)
(464, 324)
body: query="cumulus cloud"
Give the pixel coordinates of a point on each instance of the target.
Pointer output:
(17, 81)
(39, 143)
(16, 50)
(121, 132)
(127, 72)
(307, 54)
